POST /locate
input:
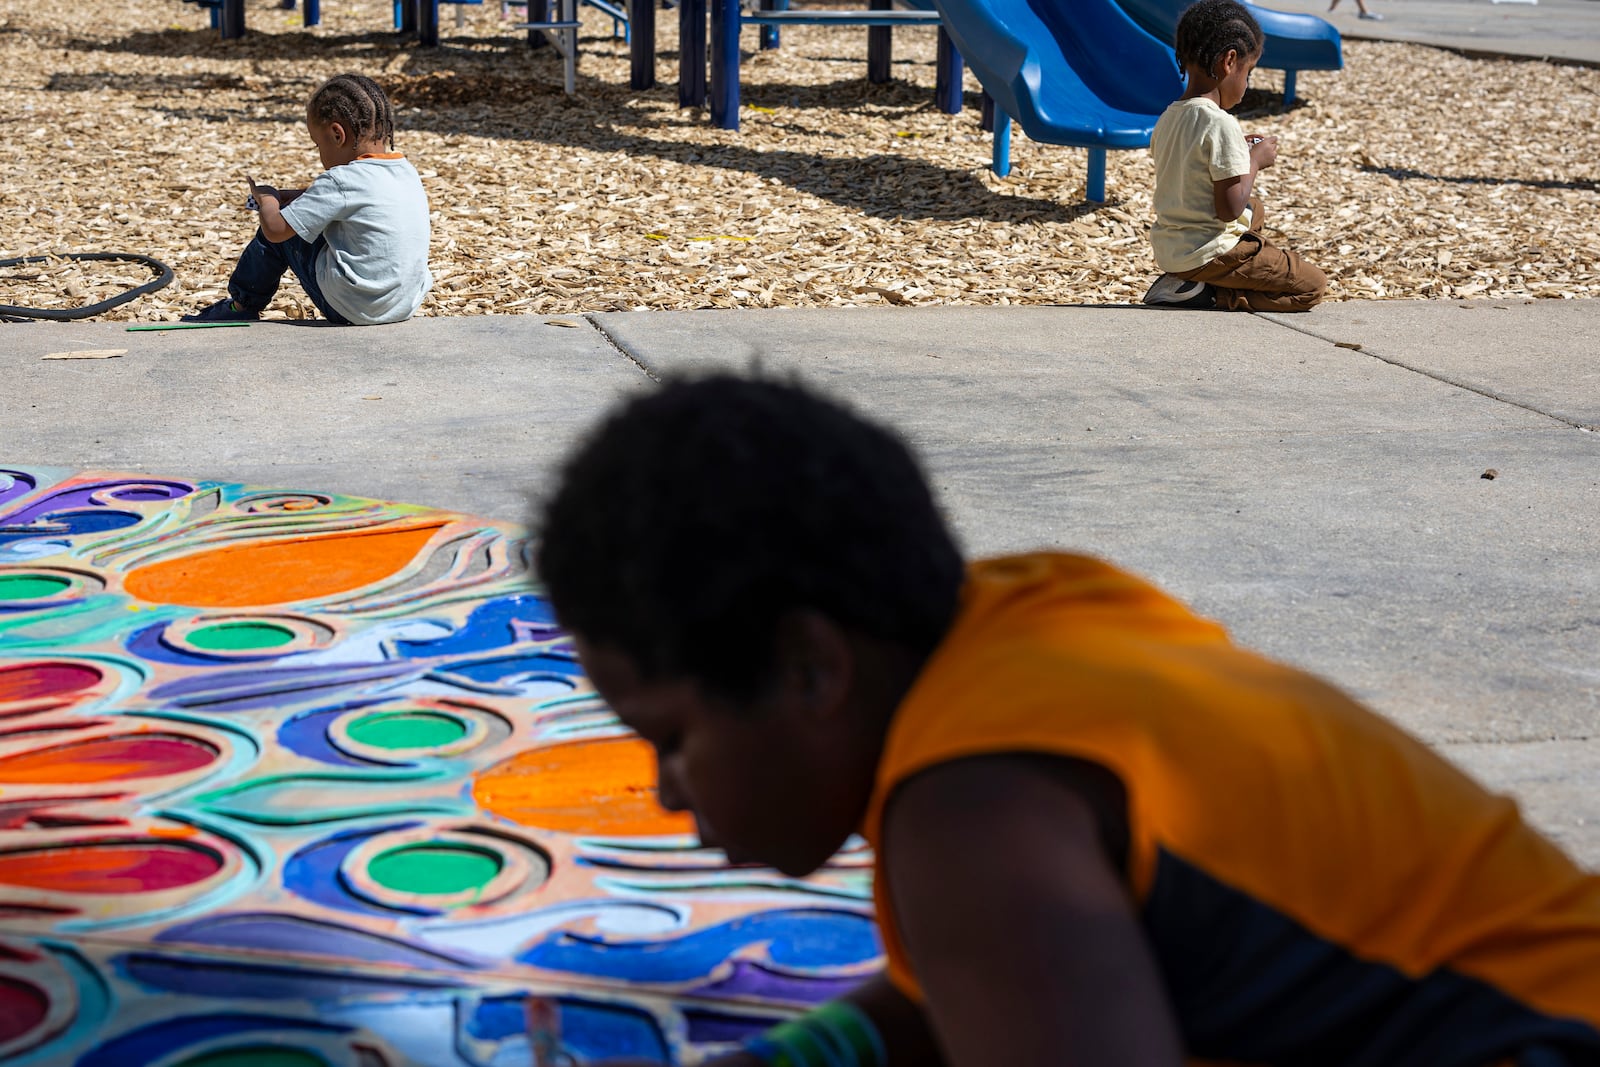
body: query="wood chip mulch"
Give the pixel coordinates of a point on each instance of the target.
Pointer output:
(129, 126)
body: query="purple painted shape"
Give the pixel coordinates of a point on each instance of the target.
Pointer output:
(707, 1026)
(14, 484)
(269, 687)
(292, 935)
(753, 980)
(75, 497)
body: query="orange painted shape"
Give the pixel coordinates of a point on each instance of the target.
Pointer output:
(23, 1006)
(280, 571)
(107, 759)
(589, 787)
(30, 681)
(109, 867)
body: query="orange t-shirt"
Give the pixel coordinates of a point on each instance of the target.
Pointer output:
(1317, 886)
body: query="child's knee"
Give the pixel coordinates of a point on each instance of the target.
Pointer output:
(1313, 285)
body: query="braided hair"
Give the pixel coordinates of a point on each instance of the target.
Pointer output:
(357, 103)
(1209, 28)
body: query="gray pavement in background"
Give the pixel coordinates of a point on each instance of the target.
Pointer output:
(1550, 29)
(1326, 502)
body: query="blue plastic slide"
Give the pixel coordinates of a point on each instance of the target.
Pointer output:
(1294, 42)
(1071, 72)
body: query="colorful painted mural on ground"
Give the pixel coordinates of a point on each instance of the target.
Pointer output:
(296, 779)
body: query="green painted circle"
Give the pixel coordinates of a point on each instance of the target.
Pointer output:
(434, 869)
(406, 729)
(240, 636)
(31, 586)
(256, 1056)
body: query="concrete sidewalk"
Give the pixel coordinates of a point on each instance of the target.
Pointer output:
(1316, 482)
(1550, 29)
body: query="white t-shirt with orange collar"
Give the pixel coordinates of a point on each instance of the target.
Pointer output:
(374, 215)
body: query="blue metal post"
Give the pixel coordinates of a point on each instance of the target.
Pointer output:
(947, 75)
(399, 14)
(641, 44)
(215, 11)
(539, 11)
(1096, 185)
(880, 46)
(1288, 88)
(1002, 142)
(232, 19)
(692, 53)
(725, 64)
(428, 23)
(312, 14)
(771, 36)
(408, 16)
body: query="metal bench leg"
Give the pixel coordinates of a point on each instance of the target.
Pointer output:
(947, 75)
(771, 36)
(692, 53)
(232, 24)
(725, 64)
(569, 13)
(880, 46)
(1002, 143)
(1096, 183)
(538, 11)
(642, 44)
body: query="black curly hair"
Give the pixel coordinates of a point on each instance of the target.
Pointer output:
(696, 516)
(1209, 28)
(358, 104)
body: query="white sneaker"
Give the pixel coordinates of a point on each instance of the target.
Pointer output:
(1370, 15)
(1171, 291)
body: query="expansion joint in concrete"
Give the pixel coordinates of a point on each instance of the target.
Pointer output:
(1446, 379)
(623, 350)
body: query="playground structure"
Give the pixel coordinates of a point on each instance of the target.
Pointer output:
(728, 18)
(1091, 74)
(1294, 42)
(298, 778)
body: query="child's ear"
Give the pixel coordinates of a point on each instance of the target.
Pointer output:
(814, 659)
(337, 130)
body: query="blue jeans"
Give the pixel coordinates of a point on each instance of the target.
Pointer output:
(261, 267)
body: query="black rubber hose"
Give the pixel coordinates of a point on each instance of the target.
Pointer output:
(162, 280)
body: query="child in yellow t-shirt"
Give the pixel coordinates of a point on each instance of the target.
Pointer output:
(1103, 832)
(1207, 234)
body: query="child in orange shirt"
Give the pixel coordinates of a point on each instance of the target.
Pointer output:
(1103, 833)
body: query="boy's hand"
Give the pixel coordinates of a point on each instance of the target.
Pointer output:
(259, 191)
(273, 226)
(1263, 151)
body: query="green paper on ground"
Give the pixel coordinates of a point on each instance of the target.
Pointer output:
(186, 326)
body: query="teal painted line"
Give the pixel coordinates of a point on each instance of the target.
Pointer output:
(185, 326)
(678, 887)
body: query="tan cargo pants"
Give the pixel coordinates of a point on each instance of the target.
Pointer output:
(1257, 275)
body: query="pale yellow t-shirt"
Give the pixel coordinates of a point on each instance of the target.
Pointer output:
(1195, 144)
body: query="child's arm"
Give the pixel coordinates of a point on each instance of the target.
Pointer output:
(1020, 927)
(1232, 195)
(269, 206)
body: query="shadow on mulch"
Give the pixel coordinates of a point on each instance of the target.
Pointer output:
(454, 101)
(1405, 173)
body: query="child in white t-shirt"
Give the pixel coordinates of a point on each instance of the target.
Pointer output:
(356, 237)
(1207, 234)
